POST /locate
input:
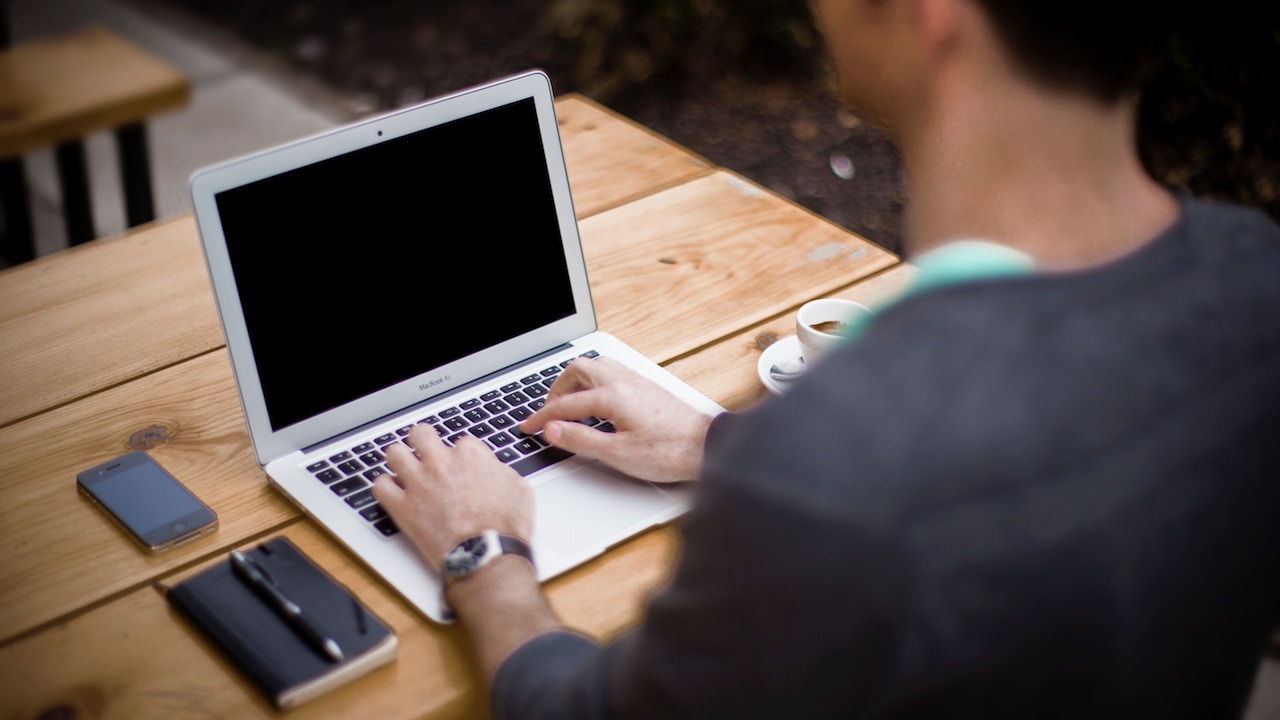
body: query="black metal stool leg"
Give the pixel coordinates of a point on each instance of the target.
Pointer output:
(135, 174)
(19, 240)
(73, 176)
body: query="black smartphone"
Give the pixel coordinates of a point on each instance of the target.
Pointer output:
(147, 502)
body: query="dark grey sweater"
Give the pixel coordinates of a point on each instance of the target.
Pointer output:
(1050, 496)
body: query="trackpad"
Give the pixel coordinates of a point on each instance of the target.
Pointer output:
(593, 504)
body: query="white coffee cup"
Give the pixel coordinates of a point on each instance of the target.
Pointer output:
(821, 325)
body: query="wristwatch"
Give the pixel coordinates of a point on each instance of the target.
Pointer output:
(474, 553)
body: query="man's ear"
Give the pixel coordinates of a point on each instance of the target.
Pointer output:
(942, 24)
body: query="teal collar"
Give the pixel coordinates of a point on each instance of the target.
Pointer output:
(954, 263)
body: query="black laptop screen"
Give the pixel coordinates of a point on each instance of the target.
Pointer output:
(372, 267)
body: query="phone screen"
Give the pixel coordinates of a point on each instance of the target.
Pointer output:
(146, 499)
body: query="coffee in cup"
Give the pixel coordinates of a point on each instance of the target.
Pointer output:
(822, 324)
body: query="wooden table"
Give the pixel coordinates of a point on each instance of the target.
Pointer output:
(116, 345)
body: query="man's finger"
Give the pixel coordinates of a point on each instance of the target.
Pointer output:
(425, 440)
(575, 406)
(388, 493)
(580, 440)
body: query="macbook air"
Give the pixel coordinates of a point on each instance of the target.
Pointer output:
(423, 266)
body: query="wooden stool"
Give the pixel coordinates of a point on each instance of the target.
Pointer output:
(54, 92)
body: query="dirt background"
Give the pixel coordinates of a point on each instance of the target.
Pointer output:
(755, 101)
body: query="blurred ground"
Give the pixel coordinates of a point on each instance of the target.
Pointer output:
(1210, 124)
(388, 53)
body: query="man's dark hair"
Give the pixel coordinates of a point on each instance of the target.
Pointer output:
(1104, 49)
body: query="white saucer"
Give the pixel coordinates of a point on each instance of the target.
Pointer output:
(786, 350)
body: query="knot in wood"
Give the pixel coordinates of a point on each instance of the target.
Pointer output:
(150, 437)
(764, 340)
(59, 712)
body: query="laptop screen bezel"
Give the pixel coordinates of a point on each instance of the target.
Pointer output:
(271, 443)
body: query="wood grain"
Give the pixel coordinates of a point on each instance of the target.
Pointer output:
(726, 371)
(91, 317)
(58, 552)
(62, 88)
(136, 658)
(102, 313)
(612, 161)
(117, 342)
(681, 268)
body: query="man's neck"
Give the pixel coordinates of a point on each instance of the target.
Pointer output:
(1055, 176)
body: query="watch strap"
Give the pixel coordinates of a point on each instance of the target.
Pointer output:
(474, 553)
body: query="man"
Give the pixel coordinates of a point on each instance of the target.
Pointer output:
(1055, 495)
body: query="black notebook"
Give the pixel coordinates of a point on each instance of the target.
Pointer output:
(268, 650)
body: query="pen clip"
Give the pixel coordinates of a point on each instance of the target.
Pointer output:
(265, 574)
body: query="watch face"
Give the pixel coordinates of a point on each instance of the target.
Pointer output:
(463, 558)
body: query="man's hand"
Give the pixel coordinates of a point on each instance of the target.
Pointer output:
(659, 437)
(441, 496)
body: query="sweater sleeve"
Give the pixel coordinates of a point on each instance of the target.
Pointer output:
(556, 675)
(771, 599)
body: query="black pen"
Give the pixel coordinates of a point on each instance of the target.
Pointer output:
(249, 571)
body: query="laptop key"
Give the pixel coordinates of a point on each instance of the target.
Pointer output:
(386, 526)
(374, 473)
(496, 407)
(344, 455)
(362, 448)
(501, 421)
(328, 476)
(450, 412)
(476, 415)
(361, 499)
(373, 512)
(520, 414)
(537, 390)
(350, 466)
(506, 454)
(348, 486)
(384, 439)
(481, 430)
(553, 370)
(501, 439)
(473, 402)
(527, 446)
(510, 387)
(491, 395)
(317, 466)
(456, 423)
(532, 463)
(372, 458)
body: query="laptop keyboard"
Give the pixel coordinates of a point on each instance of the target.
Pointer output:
(493, 416)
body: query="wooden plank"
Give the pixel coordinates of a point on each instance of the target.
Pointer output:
(59, 552)
(612, 161)
(136, 658)
(102, 313)
(680, 268)
(726, 371)
(50, 569)
(58, 89)
(85, 319)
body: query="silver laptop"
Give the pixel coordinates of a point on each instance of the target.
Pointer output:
(419, 267)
